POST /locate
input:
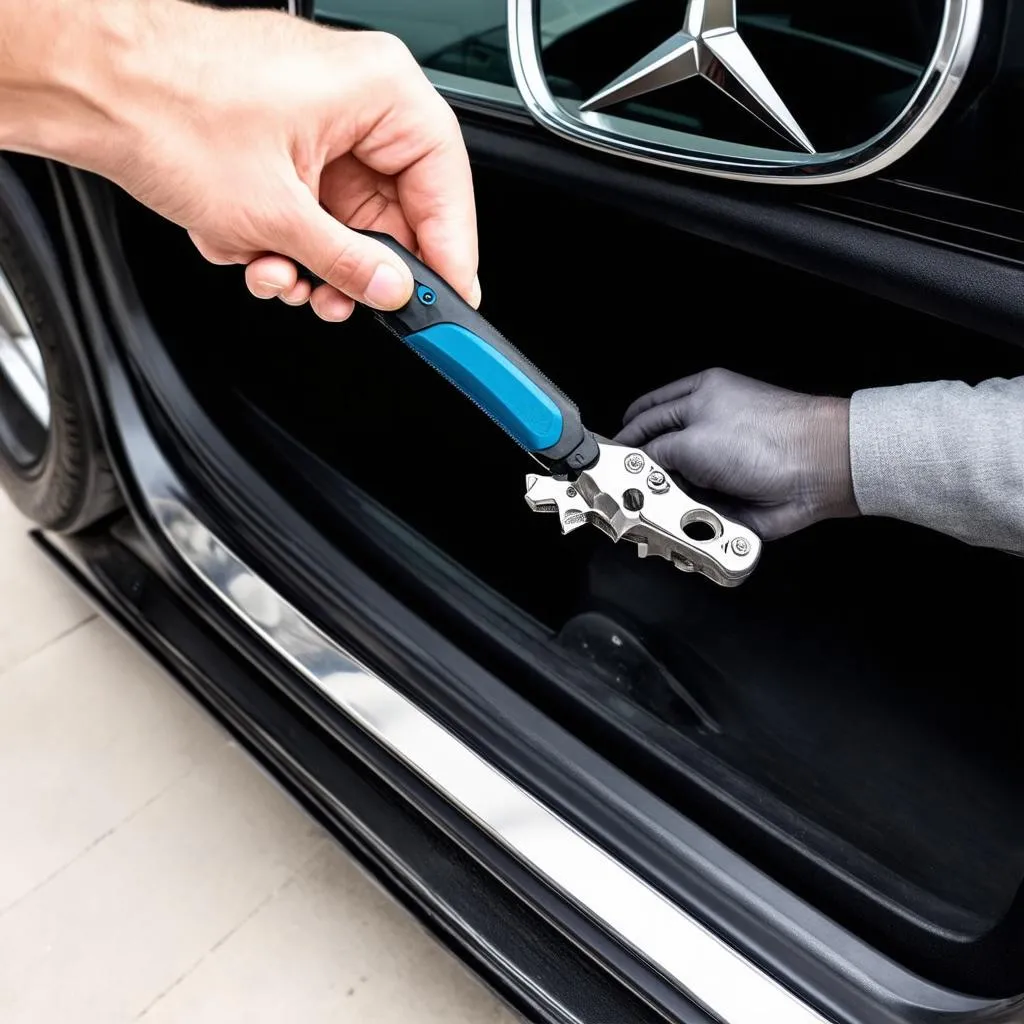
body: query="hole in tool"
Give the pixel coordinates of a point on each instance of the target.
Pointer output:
(701, 525)
(633, 499)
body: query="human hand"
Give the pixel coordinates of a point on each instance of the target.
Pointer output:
(774, 459)
(265, 135)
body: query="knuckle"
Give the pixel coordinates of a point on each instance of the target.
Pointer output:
(348, 269)
(662, 453)
(391, 49)
(370, 211)
(224, 259)
(446, 115)
(210, 252)
(713, 382)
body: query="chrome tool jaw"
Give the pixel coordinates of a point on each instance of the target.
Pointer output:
(627, 496)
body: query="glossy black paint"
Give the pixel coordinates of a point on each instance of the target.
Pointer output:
(794, 940)
(962, 187)
(975, 151)
(795, 227)
(593, 692)
(948, 249)
(396, 645)
(432, 870)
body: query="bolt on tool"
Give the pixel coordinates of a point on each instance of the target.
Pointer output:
(586, 478)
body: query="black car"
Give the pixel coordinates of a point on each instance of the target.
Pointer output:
(620, 792)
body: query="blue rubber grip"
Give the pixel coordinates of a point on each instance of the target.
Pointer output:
(448, 333)
(497, 385)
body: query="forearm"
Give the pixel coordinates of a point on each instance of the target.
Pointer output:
(943, 455)
(80, 78)
(59, 65)
(260, 134)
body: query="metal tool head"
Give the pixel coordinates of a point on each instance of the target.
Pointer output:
(628, 496)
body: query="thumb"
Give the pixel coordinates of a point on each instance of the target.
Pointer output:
(654, 422)
(356, 265)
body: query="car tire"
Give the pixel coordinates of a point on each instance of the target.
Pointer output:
(52, 463)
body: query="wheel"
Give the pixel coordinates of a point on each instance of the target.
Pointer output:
(52, 463)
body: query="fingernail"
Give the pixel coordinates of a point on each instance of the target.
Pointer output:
(388, 288)
(475, 293)
(267, 290)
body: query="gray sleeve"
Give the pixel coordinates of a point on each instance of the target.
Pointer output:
(944, 455)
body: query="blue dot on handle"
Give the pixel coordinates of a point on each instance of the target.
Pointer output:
(426, 295)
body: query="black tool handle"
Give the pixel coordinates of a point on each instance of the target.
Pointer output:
(439, 325)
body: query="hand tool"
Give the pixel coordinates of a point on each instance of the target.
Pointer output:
(586, 478)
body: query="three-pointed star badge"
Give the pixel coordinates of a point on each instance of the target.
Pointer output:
(709, 46)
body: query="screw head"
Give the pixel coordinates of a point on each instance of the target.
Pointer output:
(570, 492)
(634, 462)
(741, 546)
(657, 482)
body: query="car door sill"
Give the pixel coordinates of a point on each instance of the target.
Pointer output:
(715, 976)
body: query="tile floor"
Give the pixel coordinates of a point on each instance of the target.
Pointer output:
(150, 871)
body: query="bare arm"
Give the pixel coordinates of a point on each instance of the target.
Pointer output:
(257, 132)
(55, 86)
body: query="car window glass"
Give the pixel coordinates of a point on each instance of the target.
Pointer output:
(844, 71)
(463, 37)
(460, 37)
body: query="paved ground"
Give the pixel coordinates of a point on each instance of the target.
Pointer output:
(150, 871)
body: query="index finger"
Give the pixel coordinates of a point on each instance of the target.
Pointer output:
(677, 389)
(669, 417)
(436, 193)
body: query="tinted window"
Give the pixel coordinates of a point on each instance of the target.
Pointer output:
(462, 37)
(844, 70)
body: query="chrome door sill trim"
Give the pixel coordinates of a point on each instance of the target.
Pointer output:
(716, 977)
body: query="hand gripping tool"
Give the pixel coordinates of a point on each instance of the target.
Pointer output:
(586, 478)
